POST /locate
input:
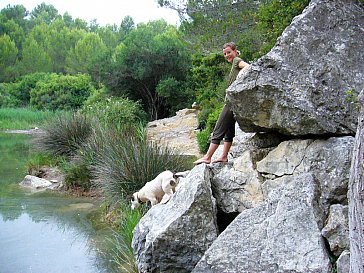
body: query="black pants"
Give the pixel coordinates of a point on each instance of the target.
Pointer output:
(225, 127)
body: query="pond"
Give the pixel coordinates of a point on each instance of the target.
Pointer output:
(47, 231)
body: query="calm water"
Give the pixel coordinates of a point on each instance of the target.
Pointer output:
(43, 232)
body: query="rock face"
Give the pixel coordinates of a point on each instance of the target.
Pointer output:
(177, 132)
(268, 238)
(300, 87)
(173, 237)
(328, 160)
(280, 203)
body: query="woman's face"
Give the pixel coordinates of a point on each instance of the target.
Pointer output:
(229, 54)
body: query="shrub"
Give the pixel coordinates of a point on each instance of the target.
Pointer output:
(77, 174)
(115, 112)
(25, 84)
(65, 134)
(203, 137)
(61, 92)
(203, 140)
(7, 99)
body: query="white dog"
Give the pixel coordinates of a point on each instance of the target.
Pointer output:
(161, 187)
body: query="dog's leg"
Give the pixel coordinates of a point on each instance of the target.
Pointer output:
(153, 201)
(166, 198)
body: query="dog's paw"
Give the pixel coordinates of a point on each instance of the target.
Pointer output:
(166, 198)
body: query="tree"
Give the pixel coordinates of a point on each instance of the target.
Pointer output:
(150, 54)
(8, 56)
(17, 13)
(211, 23)
(356, 197)
(35, 58)
(253, 25)
(84, 53)
(127, 25)
(109, 35)
(274, 16)
(44, 13)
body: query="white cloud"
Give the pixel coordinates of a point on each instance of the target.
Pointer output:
(104, 11)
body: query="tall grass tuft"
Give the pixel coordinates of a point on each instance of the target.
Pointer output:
(65, 134)
(121, 253)
(127, 160)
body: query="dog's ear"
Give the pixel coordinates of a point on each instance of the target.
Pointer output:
(134, 201)
(172, 183)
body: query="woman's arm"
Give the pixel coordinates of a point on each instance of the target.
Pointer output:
(243, 65)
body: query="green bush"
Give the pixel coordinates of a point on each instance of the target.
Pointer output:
(115, 112)
(77, 174)
(203, 137)
(203, 140)
(25, 84)
(59, 92)
(7, 98)
(64, 134)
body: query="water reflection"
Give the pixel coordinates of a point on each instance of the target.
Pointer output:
(42, 232)
(45, 247)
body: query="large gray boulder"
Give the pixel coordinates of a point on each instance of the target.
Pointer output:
(301, 86)
(280, 235)
(328, 160)
(248, 180)
(238, 186)
(173, 237)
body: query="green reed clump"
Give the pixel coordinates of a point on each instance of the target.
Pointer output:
(121, 255)
(127, 160)
(65, 134)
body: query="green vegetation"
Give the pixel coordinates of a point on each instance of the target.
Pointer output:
(65, 134)
(41, 159)
(121, 256)
(114, 112)
(23, 118)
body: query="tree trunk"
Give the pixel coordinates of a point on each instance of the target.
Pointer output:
(356, 197)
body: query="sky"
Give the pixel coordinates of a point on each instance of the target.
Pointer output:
(104, 11)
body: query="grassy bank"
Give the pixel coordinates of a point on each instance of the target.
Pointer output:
(23, 118)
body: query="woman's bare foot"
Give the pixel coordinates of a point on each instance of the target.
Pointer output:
(220, 160)
(202, 160)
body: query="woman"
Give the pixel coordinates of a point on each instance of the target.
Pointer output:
(225, 125)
